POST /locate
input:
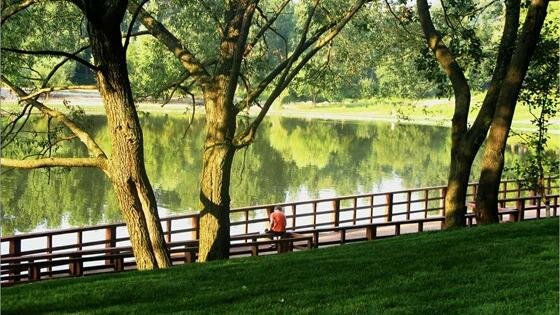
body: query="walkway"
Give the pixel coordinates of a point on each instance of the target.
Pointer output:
(317, 223)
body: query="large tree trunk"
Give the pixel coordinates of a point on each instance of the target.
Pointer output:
(493, 160)
(126, 164)
(215, 180)
(457, 185)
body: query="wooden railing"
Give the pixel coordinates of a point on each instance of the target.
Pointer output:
(397, 206)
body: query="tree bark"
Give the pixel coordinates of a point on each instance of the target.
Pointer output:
(126, 163)
(493, 159)
(215, 180)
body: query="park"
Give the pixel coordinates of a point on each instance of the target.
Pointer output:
(410, 147)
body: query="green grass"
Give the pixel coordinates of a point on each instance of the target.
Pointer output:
(500, 269)
(426, 111)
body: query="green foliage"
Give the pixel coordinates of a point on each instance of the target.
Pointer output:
(472, 35)
(31, 30)
(506, 268)
(151, 68)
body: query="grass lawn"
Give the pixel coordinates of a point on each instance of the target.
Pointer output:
(500, 269)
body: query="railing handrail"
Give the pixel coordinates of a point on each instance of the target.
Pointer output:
(256, 207)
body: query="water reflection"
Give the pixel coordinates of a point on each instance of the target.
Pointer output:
(291, 159)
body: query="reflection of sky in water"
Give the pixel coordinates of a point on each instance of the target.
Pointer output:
(290, 160)
(385, 185)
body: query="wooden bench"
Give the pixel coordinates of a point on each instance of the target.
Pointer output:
(256, 243)
(370, 228)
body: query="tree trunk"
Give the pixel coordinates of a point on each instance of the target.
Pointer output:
(493, 160)
(457, 185)
(126, 164)
(216, 170)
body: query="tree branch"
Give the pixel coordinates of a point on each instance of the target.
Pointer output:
(247, 136)
(479, 129)
(268, 25)
(131, 25)
(84, 137)
(447, 61)
(239, 50)
(52, 53)
(186, 57)
(9, 11)
(213, 16)
(58, 88)
(100, 163)
(285, 65)
(60, 64)
(397, 18)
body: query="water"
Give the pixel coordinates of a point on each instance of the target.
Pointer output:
(290, 160)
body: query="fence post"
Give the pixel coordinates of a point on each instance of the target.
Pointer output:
(49, 250)
(314, 214)
(14, 250)
(336, 212)
(443, 196)
(389, 211)
(426, 197)
(408, 205)
(195, 225)
(110, 240)
(168, 226)
(355, 211)
(371, 209)
(293, 216)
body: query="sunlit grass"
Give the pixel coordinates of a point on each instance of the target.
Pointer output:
(500, 269)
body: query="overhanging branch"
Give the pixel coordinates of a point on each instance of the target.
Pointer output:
(52, 53)
(85, 138)
(54, 162)
(247, 136)
(58, 88)
(268, 25)
(11, 10)
(186, 57)
(131, 25)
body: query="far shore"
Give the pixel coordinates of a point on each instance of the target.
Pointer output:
(433, 112)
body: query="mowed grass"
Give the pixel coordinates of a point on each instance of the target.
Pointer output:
(501, 269)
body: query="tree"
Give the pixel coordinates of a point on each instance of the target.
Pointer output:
(241, 39)
(465, 141)
(125, 165)
(493, 158)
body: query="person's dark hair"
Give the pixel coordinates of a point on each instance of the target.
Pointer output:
(277, 208)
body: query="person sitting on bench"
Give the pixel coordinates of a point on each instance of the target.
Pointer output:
(277, 224)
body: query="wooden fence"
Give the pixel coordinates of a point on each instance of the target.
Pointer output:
(413, 205)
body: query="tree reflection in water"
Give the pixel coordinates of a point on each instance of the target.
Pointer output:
(291, 159)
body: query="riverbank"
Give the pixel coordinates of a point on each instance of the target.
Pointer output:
(437, 112)
(498, 269)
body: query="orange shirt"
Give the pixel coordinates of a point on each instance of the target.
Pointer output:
(278, 220)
